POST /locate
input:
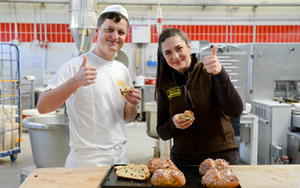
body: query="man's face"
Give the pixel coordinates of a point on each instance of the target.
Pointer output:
(111, 35)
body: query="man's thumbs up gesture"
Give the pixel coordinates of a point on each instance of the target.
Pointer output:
(86, 74)
(211, 62)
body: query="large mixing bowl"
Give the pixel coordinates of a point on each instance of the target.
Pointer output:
(49, 138)
(151, 119)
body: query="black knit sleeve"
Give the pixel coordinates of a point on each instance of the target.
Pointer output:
(165, 127)
(227, 95)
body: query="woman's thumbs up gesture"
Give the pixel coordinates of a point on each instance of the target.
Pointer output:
(211, 62)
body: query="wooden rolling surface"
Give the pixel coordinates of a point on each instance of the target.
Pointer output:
(250, 176)
(262, 176)
(65, 177)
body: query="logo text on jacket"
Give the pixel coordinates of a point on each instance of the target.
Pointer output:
(173, 92)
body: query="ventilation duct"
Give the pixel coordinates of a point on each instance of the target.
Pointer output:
(83, 23)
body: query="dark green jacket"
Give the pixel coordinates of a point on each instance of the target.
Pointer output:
(212, 98)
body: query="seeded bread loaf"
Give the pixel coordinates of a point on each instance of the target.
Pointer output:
(168, 178)
(133, 171)
(220, 178)
(160, 163)
(209, 163)
(216, 173)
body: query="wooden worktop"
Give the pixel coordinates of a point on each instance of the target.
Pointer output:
(81, 177)
(250, 176)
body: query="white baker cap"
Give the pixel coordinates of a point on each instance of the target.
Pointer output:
(116, 8)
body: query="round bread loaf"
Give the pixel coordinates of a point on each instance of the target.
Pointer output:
(168, 178)
(160, 163)
(223, 179)
(209, 163)
(221, 164)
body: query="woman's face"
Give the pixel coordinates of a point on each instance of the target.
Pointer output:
(176, 53)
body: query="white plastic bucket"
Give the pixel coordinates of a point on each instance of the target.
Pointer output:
(140, 80)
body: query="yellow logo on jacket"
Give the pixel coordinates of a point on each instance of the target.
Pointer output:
(173, 92)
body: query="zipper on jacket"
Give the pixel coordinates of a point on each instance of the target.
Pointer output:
(187, 94)
(196, 147)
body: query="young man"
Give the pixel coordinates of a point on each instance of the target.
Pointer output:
(90, 85)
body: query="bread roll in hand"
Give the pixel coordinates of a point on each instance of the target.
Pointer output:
(188, 115)
(125, 91)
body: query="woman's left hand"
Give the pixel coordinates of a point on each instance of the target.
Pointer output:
(180, 123)
(134, 97)
(211, 62)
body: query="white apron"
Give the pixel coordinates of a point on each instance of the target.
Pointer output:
(89, 157)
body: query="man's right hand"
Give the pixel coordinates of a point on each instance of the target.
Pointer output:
(54, 98)
(86, 74)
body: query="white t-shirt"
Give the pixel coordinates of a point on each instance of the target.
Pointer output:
(96, 111)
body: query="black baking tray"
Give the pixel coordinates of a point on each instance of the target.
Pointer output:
(192, 176)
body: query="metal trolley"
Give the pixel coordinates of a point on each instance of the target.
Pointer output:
(10, 101)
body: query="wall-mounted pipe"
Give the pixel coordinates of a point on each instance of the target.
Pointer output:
(16, 40)
(34, 26)
(218, 18)
(254, 25)
(46, 41)
(9, 17)
(35, 42)
(41, 33)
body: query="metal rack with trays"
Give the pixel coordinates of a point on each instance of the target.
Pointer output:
(10, 102)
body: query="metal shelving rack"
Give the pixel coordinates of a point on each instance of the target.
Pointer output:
(10, 101)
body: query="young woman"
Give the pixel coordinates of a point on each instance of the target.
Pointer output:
(184, 83)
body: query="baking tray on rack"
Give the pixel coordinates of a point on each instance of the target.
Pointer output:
(192, 176)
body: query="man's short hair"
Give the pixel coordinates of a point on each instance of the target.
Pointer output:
(112, 16)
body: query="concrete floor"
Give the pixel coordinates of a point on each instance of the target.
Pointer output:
(10, 171)
(139, 148)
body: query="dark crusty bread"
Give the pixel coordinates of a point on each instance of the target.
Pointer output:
(220, 178)
(168, 178)
(125, 91)
(133, 171)
(160, 163)
(188, 115)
